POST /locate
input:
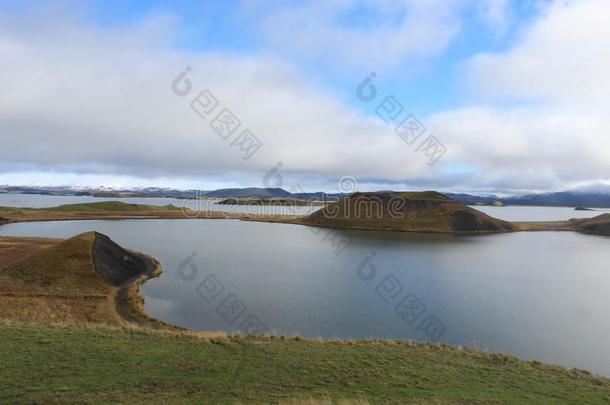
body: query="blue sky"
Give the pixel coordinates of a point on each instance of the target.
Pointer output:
(517, 104)
(225, 26)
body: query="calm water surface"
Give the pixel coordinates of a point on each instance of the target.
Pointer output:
(540, 296)
(519, 213)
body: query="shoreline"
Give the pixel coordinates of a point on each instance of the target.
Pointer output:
(428, 212)
(520, 226)
(127, 304)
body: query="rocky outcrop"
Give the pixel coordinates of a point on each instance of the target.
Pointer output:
(117, 265)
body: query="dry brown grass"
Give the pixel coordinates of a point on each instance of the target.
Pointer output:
(427, 212)
(59, 310)
(13, 249)
(54, 282)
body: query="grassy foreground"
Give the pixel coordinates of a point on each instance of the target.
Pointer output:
(43, 363)
(65, 339)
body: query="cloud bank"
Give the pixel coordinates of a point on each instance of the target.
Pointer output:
(96, 100)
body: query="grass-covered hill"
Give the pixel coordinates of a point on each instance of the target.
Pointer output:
(599, 225)
(72, 281)
(95, 210)
(413, 211)
(112, 206)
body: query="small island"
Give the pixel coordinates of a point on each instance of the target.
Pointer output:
(407, 211)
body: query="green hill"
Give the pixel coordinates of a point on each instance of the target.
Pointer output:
(72, 281)
(599, 225)
(410, 211)
(106, 206)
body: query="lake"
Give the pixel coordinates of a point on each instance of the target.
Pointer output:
(541, 296)
(524, 213)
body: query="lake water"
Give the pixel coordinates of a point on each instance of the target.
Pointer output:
(47, 201)
(540, 295)
(522, 213)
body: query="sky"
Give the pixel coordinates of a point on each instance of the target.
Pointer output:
(485, 96)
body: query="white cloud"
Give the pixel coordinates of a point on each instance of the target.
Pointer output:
(554, 132)
(527, 147)
(563, 57)
(348, 33)
(98, 100)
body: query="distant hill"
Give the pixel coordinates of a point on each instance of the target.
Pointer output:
(586, 198)
(560, 199)
(563, 199)
(255, 192)
(470, 199)
(412, 212)
(248, 192)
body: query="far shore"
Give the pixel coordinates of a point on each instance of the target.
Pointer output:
(10, 215)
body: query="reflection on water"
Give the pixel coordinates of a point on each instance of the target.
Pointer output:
(540, 295)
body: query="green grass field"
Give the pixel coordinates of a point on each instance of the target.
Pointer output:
(53, 363)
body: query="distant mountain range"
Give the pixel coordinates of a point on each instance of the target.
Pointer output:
(150, 192)
(561, 199)
(579, 198)
(268, 193)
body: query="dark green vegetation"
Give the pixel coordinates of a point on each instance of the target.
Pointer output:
(412, 212)
(43, 363)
